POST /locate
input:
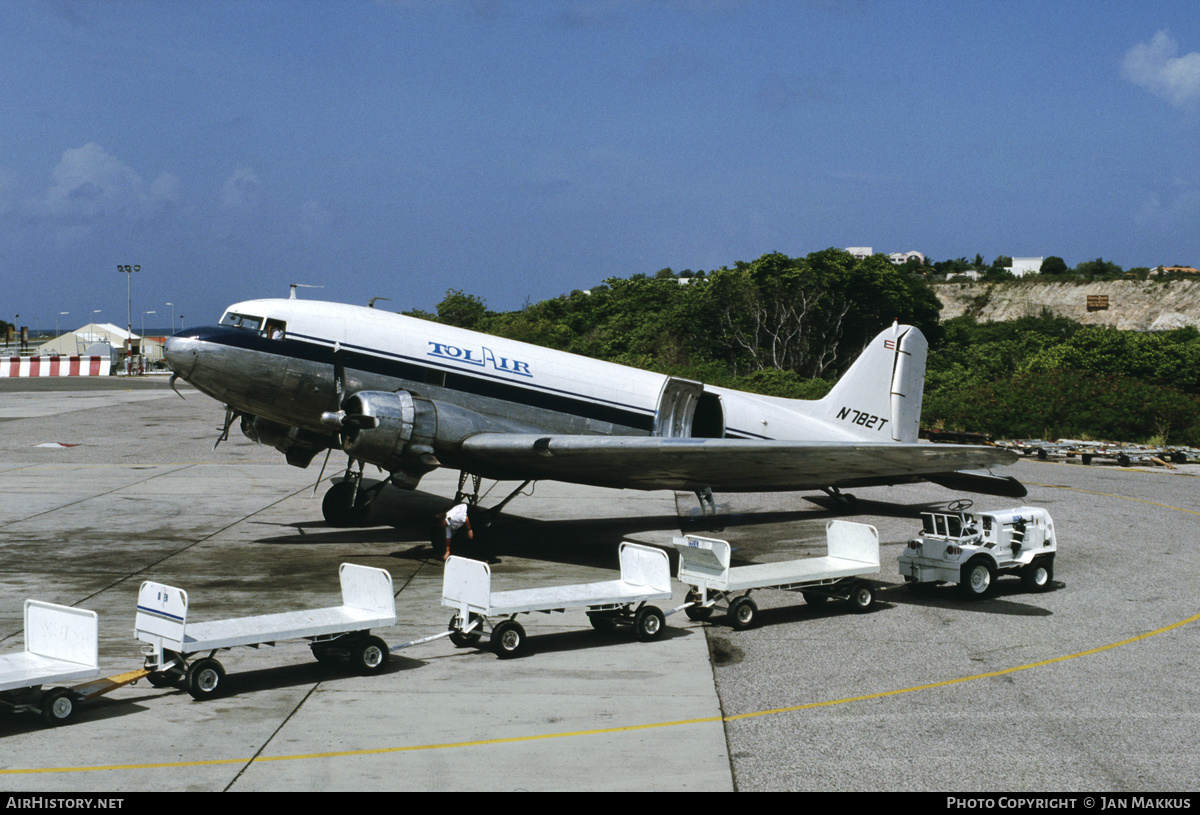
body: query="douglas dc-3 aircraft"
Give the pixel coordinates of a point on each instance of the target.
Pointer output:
(410, 396)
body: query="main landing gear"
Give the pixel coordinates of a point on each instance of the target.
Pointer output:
(348, 502)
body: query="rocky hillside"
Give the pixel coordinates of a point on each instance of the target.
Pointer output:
(1133, 305)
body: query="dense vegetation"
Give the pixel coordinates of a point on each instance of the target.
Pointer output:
(790, 326)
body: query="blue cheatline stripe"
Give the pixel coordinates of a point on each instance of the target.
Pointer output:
(162, 615)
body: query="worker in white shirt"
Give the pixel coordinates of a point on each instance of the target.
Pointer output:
(453, 520)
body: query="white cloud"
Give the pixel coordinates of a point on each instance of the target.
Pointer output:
(240, 190)
(89, 183)
(1155, 67)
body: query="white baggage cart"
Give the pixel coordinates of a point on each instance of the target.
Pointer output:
(340, 631)
(62, 644)
(853, 551)
(645, 576)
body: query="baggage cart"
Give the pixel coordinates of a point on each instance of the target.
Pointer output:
(467, 587)
(853, 551)
(62, 644)
(341, 631)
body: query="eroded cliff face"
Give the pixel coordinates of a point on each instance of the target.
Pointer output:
(1133, 305)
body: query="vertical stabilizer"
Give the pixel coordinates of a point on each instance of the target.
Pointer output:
(879, 398)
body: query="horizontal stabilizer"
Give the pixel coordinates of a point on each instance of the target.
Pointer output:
(985, 483)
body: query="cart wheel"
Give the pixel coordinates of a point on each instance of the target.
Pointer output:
(862, 597)
(369, 656)
(603, 621)
(812, 599)
(697, 612)
(508, 639)
(469, 638)
(742, 612)
(649, 623)
(204, 678)
(162, 679)
(323, 653)
(978, 579)
(1038, 575)
(58, 706)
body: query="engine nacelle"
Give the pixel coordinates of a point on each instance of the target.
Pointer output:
(299, 446)
(403, 433)
(393, 430)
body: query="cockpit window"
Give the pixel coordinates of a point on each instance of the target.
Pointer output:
(241, 321)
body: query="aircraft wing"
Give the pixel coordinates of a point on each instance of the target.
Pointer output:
(731, 465)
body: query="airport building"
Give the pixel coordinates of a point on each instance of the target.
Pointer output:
(104, 339)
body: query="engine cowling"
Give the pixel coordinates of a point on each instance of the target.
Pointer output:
(404, 434)
(395, 431)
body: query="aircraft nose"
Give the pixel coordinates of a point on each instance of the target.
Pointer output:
(180, 353)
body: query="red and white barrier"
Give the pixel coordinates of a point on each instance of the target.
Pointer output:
(54, 366)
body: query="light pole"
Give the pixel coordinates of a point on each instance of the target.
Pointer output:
(172, 305)
(128, 271)
(60, 314)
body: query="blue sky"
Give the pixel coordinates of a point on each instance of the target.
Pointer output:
(520, 150)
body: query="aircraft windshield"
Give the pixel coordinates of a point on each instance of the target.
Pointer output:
(241, 321)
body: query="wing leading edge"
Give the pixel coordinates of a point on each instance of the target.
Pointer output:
(724, 465)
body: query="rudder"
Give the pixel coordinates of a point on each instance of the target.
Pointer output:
(879, 398)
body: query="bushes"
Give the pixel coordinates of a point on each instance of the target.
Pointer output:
(1085, 383)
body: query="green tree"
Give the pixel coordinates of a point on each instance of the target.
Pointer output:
(460, 309)
(1053, 265)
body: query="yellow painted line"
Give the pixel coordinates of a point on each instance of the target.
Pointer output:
(608, 730)
(653, 725)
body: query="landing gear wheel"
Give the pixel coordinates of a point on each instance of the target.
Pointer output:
(649, 623)
(862, 597)
(204, 678)
(466, 639)
(1038, 575)
(369, 656)
(336, 507)
(978, 579)
(508, 639)
(698, 613)
(742, 612)
(58, 706)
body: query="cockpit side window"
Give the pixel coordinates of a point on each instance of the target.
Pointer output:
(275, 329)
(234, 320)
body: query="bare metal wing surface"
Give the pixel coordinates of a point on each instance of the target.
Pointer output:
(723, 465)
